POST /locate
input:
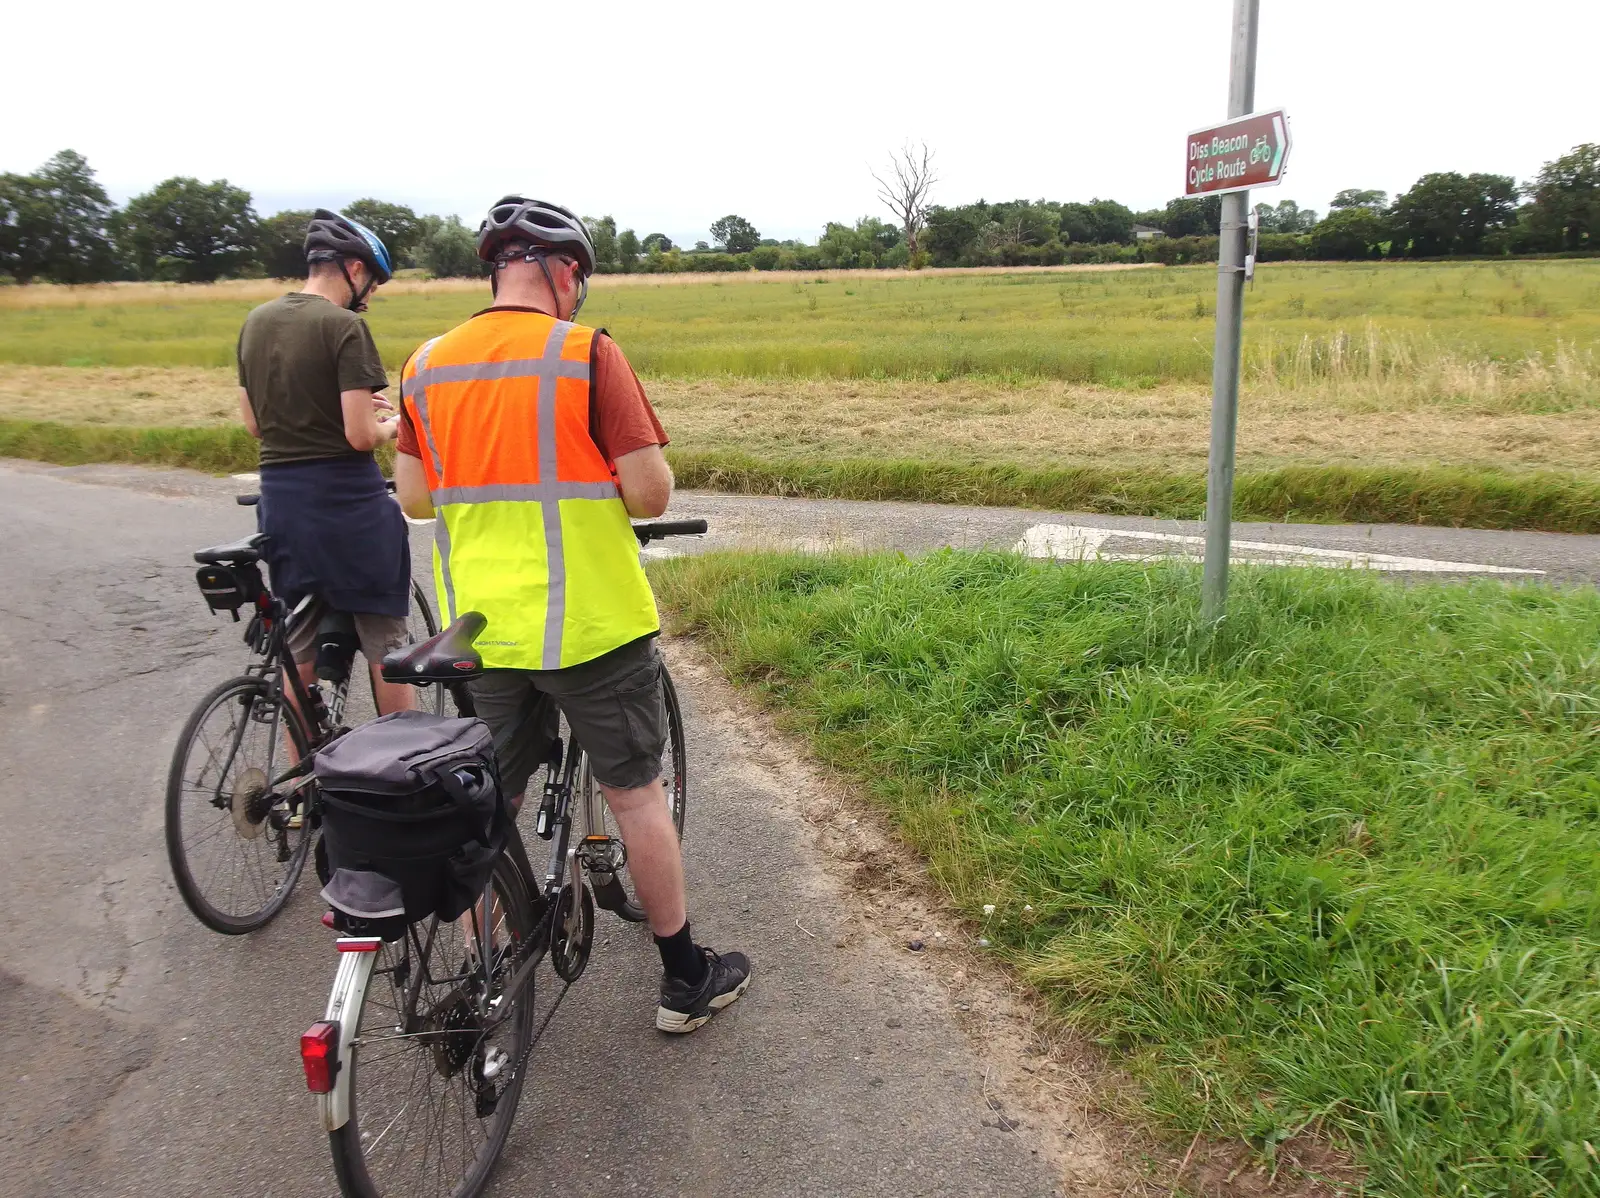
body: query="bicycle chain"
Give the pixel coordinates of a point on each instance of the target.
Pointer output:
(511, 965)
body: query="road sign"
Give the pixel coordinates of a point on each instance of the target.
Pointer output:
(1247, 152)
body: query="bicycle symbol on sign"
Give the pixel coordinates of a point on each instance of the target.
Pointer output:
(1261, 151)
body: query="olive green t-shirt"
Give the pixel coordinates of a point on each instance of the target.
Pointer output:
(296, 354)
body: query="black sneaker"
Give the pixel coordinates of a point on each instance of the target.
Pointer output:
(684, 1007)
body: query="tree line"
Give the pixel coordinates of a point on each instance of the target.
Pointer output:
(57, 224)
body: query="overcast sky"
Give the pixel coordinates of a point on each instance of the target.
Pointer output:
(670, 115)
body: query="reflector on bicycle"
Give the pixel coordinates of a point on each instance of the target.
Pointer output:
(319, 1054)
(359, 944)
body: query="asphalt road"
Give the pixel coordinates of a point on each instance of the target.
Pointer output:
(143, 1055)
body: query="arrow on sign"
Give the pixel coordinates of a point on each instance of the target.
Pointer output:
(1282, 136)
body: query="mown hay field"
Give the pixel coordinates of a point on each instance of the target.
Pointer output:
(1483, 366)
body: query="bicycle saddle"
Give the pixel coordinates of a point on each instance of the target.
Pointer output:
(446, 657)
(236, 553)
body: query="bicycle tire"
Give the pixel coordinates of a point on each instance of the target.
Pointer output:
(277, 880)
(351, 1163)
(676, 775)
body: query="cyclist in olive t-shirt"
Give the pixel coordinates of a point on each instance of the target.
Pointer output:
(309, 374)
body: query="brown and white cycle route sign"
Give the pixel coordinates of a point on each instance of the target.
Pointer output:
(1249, 151)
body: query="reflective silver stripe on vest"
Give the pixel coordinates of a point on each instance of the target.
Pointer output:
(524, 493)
(418, 392)
(441, 541)
(517, 368)
(547, 493)
(555, 614)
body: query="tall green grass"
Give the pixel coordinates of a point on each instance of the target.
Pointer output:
(1123, 328)
(1548, 501)
(1333, 867)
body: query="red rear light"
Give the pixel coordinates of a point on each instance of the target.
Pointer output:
(319, 1053)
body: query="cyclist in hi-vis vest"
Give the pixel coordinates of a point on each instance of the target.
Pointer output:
(531, 442)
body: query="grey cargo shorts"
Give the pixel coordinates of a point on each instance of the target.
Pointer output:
(614, 705)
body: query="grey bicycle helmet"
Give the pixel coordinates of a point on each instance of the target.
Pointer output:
(541, 225)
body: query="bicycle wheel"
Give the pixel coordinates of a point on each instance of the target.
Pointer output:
(618, 896)
(234, 859)
(425, 1120)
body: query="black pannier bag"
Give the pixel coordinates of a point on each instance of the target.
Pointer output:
(412, 820)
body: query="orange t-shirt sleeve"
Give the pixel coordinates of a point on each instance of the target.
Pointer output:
(622, 420)
(406, 440)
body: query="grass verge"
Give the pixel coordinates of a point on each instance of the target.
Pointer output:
(218, 450)
(1549, 501)
(1333, 867)
(1456, 497)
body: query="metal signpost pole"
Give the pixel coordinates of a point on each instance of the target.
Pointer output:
(1230, 319)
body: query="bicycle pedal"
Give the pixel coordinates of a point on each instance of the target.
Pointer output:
(602, 854)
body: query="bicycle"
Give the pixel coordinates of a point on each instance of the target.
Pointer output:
(238, 829)
(420, 1058)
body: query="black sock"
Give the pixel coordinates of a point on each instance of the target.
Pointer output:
(680, 957)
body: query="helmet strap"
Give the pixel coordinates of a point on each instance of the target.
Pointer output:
(358, 299)
(537, 255)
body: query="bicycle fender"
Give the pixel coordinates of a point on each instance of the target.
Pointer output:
(344, 1011)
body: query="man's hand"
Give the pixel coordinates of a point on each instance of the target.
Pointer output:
(380, 405)
(388, 429)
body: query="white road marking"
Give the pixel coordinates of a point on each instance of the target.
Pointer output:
(1075, 542)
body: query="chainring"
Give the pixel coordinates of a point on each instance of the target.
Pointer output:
(569, 947)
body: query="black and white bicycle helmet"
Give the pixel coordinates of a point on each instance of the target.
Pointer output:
(334, 238)
(537, 224)
(331, 236)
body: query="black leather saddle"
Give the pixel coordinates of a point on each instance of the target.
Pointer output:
(446, 657)
(235, 553)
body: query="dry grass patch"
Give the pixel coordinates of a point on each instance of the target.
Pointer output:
(1060, 424)
(147, 396)
(1042, 426)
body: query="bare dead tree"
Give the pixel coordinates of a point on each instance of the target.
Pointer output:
(906, 192)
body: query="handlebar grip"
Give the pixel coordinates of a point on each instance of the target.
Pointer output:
(668, 528)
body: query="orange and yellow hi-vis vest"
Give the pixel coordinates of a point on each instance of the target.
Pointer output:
(531, 529)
